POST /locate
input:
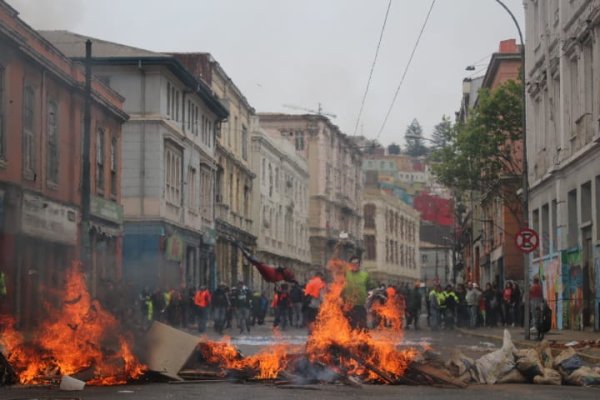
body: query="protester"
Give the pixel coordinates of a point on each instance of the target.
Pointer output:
(282, 305)
(356, 286)
(220, 304)
(491, 306)
(462, 309)
(313, 292)
(517, 304)
(450, 303)
(202, 300)
(507, 305)
(414, 306)
(297, 299)
(473, 297)
(435, 300)
(536, 299)
(241, 299)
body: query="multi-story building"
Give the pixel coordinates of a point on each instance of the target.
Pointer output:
(495, 217)
(234, 185)
(391, 238)
(41, 135)
(563, 152)
(335, 185)
(281, 204)
(436, 264)
(169, 161)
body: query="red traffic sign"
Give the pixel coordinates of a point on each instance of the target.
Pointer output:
(527, 240)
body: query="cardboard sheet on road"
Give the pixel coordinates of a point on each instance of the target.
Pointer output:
(168, 349)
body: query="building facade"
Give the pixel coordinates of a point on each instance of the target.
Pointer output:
(281, 204)
(489, 252)
(234, 183)
(436, 264)
(391, 239)
(169, 162)
(335, 184)
(41, 138)
(563, 150)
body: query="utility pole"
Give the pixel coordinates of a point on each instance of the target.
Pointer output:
(85, 177)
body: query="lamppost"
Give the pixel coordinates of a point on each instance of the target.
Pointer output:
(525, 188)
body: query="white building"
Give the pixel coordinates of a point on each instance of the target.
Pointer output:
(168, 158)
(436, 264)
(563, 151)
(281, 204)
(391, 238)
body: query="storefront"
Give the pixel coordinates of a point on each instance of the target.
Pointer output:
(106, 235)
(46, 245)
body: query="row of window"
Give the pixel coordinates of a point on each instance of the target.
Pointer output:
(31, 139)
(199, 187)
(282, 183)
(579, 219)
(293, 231)
(194, 120)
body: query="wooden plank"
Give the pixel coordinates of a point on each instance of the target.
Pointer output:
(438, 375)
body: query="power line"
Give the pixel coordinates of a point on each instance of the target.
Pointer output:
(387, 115)
(362, 105)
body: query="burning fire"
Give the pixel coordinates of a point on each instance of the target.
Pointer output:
(332, 342)
(80, 336)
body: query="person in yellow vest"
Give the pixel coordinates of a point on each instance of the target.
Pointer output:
(436, 299)
(356, 288)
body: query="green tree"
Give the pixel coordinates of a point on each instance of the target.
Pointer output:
(442, 133)
(394, 149)
(414, 143)
(485, 153)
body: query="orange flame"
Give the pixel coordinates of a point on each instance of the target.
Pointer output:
(72, 339)
(332, 341)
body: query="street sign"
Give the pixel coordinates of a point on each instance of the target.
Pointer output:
(527, 240)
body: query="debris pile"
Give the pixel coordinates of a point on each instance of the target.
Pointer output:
(509, 365)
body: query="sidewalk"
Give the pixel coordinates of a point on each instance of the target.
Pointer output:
(557, 338)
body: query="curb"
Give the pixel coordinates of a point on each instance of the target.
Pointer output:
(522, 343)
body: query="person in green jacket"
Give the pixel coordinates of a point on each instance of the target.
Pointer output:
(355, 294)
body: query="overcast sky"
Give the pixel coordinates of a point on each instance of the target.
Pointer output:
(306, 52)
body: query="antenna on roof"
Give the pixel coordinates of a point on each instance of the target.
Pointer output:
(319, 111)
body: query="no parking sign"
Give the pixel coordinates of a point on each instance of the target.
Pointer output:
(527, 240)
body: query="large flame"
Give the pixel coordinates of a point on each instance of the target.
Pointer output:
(78, 336)
(332, 342)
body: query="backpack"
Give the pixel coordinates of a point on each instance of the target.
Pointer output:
(546, 320)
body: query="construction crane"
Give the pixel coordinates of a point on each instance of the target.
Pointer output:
(319, 111)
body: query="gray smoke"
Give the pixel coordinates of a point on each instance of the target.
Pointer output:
(49, 14)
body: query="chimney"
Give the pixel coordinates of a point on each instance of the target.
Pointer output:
(508, 46)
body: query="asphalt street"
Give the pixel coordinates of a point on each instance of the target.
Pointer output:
(260, 337)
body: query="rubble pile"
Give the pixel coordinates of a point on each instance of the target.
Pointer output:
(538, 366)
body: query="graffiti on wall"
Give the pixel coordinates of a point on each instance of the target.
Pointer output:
(552, 285)
(572, 279)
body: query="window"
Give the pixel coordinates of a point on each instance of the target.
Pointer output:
(572, 218)
(173, 158)
(554, 222)
(299, 140)
(192, 189)
(545, 230)
(113, 166)
(189, 116)
(177, 105)
(244, 143)
(169, 99)
(370, 247)
(100, 160)
(28, 133)
(263, 170)
(586, 202)
(2, 127)
(196, 120)
(270, 180)
(52, 149)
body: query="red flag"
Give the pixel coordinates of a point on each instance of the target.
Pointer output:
(268, 272)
